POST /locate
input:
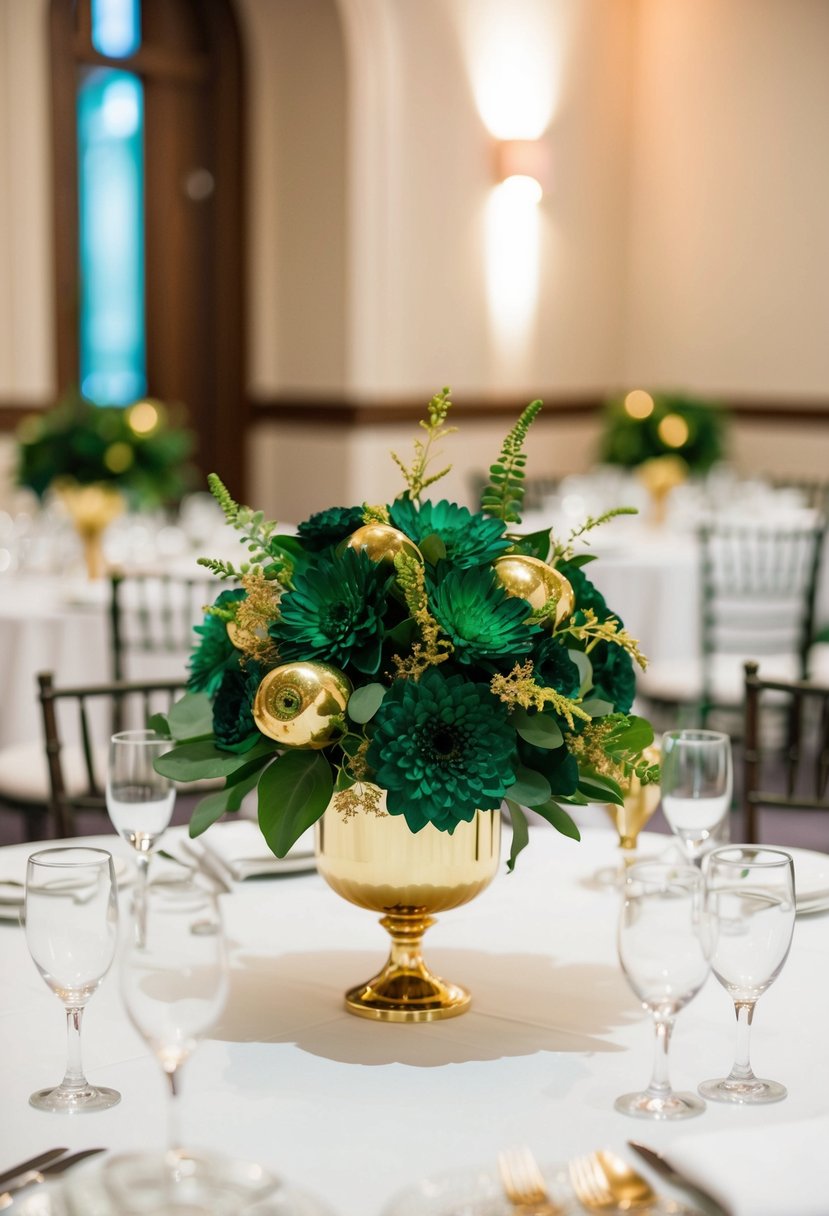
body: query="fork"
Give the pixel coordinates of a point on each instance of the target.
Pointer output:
(42, 1174)
(524, 1185)
(594, 1190)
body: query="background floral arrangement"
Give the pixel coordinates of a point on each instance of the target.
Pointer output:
(416, 648)
(142, 450)
(642, 426)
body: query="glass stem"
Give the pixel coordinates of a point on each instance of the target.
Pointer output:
(74, 1078)
(659, 1083)
(741, 1069)
(143, 863)
(173, 1134)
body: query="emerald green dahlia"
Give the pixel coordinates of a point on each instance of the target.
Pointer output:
(442, 748)
(215, 653)
(483, 622)
(233, 725)
(470, 540)
(329, 527)
(334, 613)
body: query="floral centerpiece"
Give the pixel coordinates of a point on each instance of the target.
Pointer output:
(416, 650)
(641, 427)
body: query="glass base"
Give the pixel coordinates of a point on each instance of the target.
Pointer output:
(751, 1092)
(184, 1183)
(60, 1100)
(649, 1105)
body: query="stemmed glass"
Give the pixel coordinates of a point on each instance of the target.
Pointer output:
(174, 983)
(664, 948)
(697, 781)
(71, 919)
(750, 893)
(139, 800)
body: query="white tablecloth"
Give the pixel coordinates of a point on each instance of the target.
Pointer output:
(355, 1110)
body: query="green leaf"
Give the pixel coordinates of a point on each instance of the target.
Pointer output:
(159, 724)
(558, 817)
(529, 788)
(343, 781)
(601, 789)
(364, 702)
(403, 634)
(293, 793)
(213, 806)
(202, 760)
(581, 559)
(534, 544)
(520, 831)
(433, 548)
(585, 669)
(596, 707)
(191, 717)
(539, 729)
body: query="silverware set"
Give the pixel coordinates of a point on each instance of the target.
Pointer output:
(601, 1181)
(39, 1169)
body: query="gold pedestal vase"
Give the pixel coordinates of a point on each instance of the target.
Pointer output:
(92, 508)
(373, 860)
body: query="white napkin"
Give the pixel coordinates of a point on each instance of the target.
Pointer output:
(780, 1169)
(240, 848)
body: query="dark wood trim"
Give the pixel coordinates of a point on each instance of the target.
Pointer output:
(349, 412)
(147, 61)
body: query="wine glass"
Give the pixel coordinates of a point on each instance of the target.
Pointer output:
(750, 893)
(139, 800)
(174, 983)
(71, 919)
(664, 948)
(696, 784)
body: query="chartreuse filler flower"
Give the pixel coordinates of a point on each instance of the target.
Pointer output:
(417, 648)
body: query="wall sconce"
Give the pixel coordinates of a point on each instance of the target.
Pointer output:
(523, 164)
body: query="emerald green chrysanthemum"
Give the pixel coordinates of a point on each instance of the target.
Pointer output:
(482, 621)
(587, 596)
(330, 527)
(470, 540)
(334, 612)
(233, 726)
(553, 667)
(614, 677)
(442, 748)
(215, 653)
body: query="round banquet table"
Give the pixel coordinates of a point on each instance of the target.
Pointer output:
(353, 1110)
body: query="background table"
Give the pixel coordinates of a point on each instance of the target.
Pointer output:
(355, 1110)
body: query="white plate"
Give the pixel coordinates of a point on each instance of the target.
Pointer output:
(811, 879)
(239, 848)
(11, 895)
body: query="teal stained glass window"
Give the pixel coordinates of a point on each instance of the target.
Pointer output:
(116, 27)
(110, 118)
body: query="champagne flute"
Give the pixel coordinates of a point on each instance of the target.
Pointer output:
(750, 892)
(697, 782)
(174, 984)
(139, 800)
(664, 948)
(71, 920)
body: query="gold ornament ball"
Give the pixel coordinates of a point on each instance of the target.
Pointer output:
(302, 704)
(534, 581)
(382, 543)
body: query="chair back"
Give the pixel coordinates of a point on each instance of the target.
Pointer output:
(86, 714)
(786, 742)
(758, 586)
(153, 615)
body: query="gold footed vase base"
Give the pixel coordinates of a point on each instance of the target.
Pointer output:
(406, 990)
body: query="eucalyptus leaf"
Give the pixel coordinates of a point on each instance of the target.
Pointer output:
(433, 548)
(213, 806)
(540, 729)
(534, 544)
(159, 724)
(293, 793)
(601, 789)
(585, 669)
(529, 788)
(403, 634)
(596, 707)
(556, 815)
(202, 760)
(364, 702)
(520, 832)
(581, 559)
(191, 717)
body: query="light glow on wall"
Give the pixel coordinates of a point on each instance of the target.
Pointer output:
(514, 67)
(512, 265)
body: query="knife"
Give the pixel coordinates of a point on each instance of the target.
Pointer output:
(34, 1163)
(48, 1171)
(663, 1167)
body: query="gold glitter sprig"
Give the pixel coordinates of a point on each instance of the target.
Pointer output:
(375, 514)
(601, 746)
(592, 631)
(254, 615)
(518, 688)
(361, 797)
(432, 648)
(435, 428)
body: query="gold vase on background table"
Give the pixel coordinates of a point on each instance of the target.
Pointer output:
(92, 508)
(374, 861)
(640, 804)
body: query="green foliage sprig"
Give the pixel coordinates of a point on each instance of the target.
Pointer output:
(563, 551)
(435, 428)
(503, 497)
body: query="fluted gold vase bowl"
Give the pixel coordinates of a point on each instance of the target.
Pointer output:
(374, 861)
